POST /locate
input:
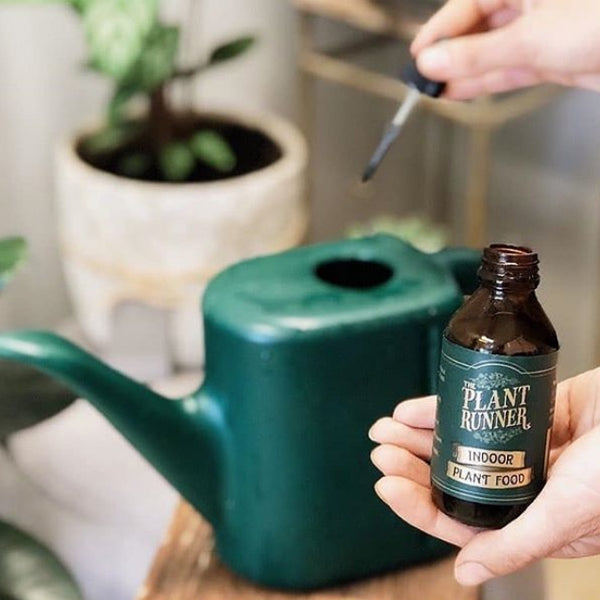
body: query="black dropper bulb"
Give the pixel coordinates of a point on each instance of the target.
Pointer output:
(412, 77)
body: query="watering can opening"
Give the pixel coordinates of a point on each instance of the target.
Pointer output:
(354, 273)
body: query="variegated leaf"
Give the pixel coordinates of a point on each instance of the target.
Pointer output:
(156, 61)
(116, 31)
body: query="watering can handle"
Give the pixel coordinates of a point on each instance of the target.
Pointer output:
(463, 263)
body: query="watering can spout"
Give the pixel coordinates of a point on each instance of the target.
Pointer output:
(170, 434)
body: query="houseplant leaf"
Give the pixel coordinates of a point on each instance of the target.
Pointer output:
(418, 231)
(29, 571)
(231, 49)
(13, 252)
(213, 149)
(111, 137)
(28, 397)
(116, 31)
(220, 54)
(78, 5)
(118, 104)
(176, 161)
(156, 61)
(135, 165)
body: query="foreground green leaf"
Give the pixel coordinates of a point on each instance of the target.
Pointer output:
(176, 161)
(117, 106)
(135, 165)
(214, 150)
(231, 49)
(220, 54)
(110, 138)
(29, 571)
(13, 252)
(28, 397)
(155, 63)
(79, 5)
(116, 31)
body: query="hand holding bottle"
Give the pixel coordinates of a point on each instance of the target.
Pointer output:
(499, 45)
(563, 521)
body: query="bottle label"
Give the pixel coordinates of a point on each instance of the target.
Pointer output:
(493, 424)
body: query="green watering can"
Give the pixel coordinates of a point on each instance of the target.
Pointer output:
(304, 351)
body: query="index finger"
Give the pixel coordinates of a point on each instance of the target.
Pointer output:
(418, 413)
(455, 18)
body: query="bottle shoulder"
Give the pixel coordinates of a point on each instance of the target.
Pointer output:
(508, 325)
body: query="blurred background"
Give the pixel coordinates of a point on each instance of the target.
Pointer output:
(543, 183)
(541, 190)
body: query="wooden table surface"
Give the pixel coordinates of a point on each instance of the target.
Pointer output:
(186, 568)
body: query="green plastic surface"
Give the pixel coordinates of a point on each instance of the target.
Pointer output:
(273, 449)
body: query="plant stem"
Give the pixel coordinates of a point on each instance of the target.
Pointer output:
(160, 120)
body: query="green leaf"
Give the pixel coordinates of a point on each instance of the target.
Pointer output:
(134, 165)
(156, 61)
(29, 571)
(110, 138)
(116, 31)
(219, 55)
(79, 5)
(176, 161)
(28, 397)
(231, 49)
(13, 252)
(421, 233)
(214, 150)
(118, 104)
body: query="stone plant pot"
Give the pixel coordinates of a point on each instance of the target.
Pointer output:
(158, 244)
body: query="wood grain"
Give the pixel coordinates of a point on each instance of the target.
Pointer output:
(186, 568)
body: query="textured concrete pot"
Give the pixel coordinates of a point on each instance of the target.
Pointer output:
(158, 244)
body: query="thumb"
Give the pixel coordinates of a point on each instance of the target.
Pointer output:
(477, 54)
(541, 530)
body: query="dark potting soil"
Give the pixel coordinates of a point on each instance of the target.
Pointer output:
(252, 148)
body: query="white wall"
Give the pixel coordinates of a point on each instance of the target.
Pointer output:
(43, 95)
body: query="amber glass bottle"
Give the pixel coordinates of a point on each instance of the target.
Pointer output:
(496, 395)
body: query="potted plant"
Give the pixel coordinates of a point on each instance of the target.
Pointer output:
(28, 570)
(154, 201)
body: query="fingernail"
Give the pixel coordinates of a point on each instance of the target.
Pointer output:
(472, 573)
(373, 431)
(380, 488)
(373, 457)
(434, 59)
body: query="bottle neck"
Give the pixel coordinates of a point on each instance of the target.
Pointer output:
(508, 292)
(509, 271)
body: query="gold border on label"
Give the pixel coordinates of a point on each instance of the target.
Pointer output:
(496, 459)
(489, 479)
